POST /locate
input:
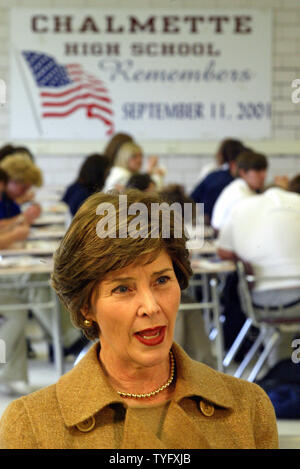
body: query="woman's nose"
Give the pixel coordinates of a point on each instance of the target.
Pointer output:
(147, 303)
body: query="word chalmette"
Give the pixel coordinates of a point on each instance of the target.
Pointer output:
(169, 24)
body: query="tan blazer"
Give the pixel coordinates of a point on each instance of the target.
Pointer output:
(209, 410)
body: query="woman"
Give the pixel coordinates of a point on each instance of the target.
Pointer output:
(115, 144)
(128, 161)
(91, 178)
(134, 388)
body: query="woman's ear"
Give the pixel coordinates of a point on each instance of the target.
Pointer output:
(86, 313)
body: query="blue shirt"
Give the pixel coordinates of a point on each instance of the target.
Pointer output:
(8, 208)
(75, 195)
(210, 188)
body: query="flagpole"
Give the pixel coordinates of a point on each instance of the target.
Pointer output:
(27, 88)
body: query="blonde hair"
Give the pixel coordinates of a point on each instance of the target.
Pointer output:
(125, 153)
(115, 144)
(83, 258)
(19, 167)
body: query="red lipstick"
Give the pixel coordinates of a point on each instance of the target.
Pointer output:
(151, 336)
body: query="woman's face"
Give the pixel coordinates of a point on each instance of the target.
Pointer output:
(136, 310)
(135, 162)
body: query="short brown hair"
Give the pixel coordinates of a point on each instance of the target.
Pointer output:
(294, 184)
(83, 258)
(248, 160)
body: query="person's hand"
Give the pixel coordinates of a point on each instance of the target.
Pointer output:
(281, 181)
(32, 212)
(20, 232)
(153, 167)
(152, 163)
(27, 197)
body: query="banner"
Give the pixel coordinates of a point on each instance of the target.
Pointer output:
(174, 74)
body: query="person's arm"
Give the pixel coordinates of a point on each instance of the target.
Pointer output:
(16, 431)
(7, 223)
(227, 255)
(18, 233)
(28, 216)
(264, 421)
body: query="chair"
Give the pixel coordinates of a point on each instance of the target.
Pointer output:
(272, 322)
(210, 305)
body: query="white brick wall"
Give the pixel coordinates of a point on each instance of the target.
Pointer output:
(60, 162)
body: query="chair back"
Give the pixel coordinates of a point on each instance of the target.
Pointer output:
(273, 315)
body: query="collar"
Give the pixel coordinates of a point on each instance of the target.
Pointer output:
(85, 391)
(196, 379)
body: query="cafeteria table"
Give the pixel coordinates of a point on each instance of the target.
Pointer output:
(16, 266)
(210, 271)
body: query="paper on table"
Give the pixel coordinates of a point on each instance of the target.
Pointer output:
(19, 261)
(40, 244)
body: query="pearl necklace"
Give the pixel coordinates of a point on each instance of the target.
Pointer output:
(153, 393)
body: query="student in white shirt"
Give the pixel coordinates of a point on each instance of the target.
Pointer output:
(251, 171)
(264, 231)
(128, 161)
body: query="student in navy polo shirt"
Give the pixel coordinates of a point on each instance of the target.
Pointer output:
(8, 208)
(17, 231)
(22, 175)
(210, 188)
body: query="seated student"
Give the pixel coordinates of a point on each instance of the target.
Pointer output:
(128, 162)
(264, 231)
(9, 150)
(210, 188)
(19, 175)
(251, 171)
(22, 175)
(114, 144)
(16, 231)
(219, 162)
(91, 178)
(142, 182)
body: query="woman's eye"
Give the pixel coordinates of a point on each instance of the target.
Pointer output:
(162, 280)
(121, 289)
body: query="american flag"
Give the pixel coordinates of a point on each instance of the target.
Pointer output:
(65, 89)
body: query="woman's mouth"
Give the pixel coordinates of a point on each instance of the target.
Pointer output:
(153, 336)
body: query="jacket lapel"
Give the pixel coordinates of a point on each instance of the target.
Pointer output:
(176, 428)
(137, 436)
